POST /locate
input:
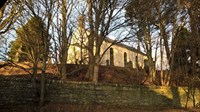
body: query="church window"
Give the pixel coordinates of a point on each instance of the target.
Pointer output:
(125, 58)
(111, 57)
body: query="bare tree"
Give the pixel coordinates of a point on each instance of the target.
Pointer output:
(63, 28)
(103, 16)
(8, 15)
(142, 15)
(9, 12)
(40, 9)
(167, 12)
(67, 8)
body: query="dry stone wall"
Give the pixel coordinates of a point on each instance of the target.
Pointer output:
(14, 91)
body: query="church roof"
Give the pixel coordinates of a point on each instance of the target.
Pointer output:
(124, 46)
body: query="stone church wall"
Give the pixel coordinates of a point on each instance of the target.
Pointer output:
(118, 55)
(78, 54)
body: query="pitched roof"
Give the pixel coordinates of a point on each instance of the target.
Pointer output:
(124, 46)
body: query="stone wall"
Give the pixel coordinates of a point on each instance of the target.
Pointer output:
(15, 91)
(20, 91)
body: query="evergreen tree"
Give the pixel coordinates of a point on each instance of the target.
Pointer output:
(29, 43)
(181, 41)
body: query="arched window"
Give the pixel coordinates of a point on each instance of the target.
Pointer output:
(136, 62)
(111, 57)
(125, 58)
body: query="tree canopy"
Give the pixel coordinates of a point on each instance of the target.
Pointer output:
(29, 40)
(182, 48)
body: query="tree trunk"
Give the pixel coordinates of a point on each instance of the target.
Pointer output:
(148, 44)
(152, 70)
(63, 71)
(96, 73)
(165, 39)
(96, 65)
(161, 62)
(33, 78)
(44, 64)
(42, 85)
(64, 41)
(90, 70)
(164, 80)
(91, 64)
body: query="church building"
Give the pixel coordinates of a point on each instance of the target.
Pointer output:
(118, 54)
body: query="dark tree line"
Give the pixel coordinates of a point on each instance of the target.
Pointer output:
(177, 24)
